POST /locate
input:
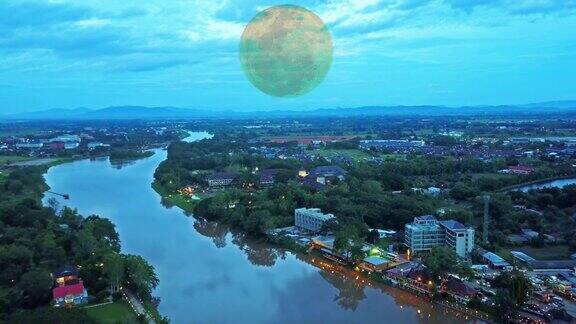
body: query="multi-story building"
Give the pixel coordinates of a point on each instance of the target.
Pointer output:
(458, 237)
(423, 234)
(310, 219)
(426, 232)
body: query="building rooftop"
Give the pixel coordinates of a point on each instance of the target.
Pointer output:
(495, 259)
(453, 225)
(222, 175)
(328, 170)
(63, 291)
(317, 213)
(376, 261)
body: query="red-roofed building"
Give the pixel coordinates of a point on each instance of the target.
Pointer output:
(69, 289)
(70, 295)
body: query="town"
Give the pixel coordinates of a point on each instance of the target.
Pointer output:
(456, 215)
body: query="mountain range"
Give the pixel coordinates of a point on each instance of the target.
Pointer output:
(141, 112)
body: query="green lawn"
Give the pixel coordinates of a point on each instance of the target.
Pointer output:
(184, 202)
(7, 159)
(117, 312)
(356, 154)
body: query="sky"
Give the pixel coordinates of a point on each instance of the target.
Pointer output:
(184, 53)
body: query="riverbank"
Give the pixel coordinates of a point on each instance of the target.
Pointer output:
(186, 203)
(114, 312)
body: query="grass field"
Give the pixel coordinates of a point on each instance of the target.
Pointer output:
(178, 200)
(117, 312)
(7, 159)
(355, 154)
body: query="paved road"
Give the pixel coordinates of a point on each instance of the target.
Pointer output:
(137, 305)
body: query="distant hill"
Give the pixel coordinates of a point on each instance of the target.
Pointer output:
(553, 104)
(141, 112)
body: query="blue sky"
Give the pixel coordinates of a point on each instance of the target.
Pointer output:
(97, 53)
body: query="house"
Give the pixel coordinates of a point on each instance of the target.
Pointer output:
(68, 288)
(268, 177)
(70, 295)
(460, 290)
(521, 169)
(322, 176)
(221, 179)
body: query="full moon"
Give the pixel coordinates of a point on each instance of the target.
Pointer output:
(286, 51)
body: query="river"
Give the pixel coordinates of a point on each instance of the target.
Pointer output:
(560, 183)
(209, 274)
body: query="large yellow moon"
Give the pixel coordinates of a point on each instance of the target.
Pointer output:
(286, 51)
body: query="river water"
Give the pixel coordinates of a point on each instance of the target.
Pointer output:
(209, 274)
(561, 183)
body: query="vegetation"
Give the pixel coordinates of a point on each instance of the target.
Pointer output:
(112, 313)
(127, 154)
(513, 291)
(443, 260)
(34, 240)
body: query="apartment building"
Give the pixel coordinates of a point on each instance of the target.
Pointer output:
(426, 232)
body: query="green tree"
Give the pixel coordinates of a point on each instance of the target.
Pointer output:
(36, 286)
(114, 270)
(441, 260)
(140, 275)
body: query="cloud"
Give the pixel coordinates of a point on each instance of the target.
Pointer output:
(37, 14)
(520, 7)
(151, 63)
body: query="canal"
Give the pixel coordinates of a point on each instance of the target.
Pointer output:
(209, 274)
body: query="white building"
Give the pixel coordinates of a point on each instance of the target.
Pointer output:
(426, 232)
(423, 234)
(310, 219)
(458, 237)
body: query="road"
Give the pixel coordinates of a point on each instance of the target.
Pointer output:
(137, 306)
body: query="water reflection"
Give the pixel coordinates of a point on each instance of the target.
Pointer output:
(214, 230)
(349, 289)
